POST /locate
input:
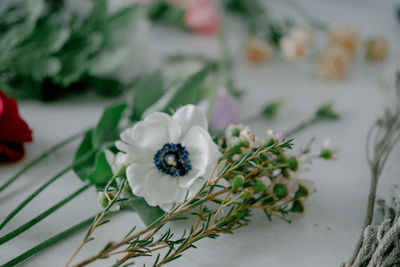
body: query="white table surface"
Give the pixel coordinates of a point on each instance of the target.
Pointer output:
(324, 236)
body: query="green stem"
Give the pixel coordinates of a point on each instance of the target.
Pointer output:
(43, 156)
(44, 186)
(49, 242)
(43, 215)
(302, 126)
(223, 68)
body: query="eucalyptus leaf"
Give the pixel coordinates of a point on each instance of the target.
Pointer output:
(17, 34)
(48, 52)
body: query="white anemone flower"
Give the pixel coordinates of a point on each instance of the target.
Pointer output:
(168, 157)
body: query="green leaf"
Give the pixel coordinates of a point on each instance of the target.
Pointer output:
(188, 92)
(96, 168)
(398, 13)
(96, 17)
(84, 169)
(102, 172)
(147, 213)
(161, 11)
(148, 91)
(326, 111)
(21, 31)
(107, 128)
(117, 46)
(35, 56)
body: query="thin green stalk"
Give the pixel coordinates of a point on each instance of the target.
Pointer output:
(41, 216)
(44, 186)
(223, 68)
(41, 157)
(302, 126)
(49, 242)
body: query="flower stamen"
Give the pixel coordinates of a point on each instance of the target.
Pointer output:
(173, 159)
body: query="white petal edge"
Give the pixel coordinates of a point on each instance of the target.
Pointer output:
(203, 152)
(189, 116)
(173, 127)
(146, 136)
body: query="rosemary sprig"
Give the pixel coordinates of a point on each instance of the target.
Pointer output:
(210, 223)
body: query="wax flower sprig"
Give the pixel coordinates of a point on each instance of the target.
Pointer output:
(129, 174)
(244, 173)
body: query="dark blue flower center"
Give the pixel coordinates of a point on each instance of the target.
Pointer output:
(173, 159)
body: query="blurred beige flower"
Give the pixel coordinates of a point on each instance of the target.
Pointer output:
(377, 48)
(293, 48)
(346, 37)
(302, 34)
(257, 50)
(333, 63)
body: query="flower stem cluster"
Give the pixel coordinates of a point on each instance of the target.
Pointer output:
(257, 174)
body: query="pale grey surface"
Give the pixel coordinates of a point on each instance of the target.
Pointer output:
(324, 236)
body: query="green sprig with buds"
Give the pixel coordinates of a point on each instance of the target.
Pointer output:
(223, 205)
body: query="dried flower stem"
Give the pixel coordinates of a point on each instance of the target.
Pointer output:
(382, 137)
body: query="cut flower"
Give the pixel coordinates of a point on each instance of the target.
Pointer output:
(14, 131)
(168, 157)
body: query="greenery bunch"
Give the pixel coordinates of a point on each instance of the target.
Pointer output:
(50, 48)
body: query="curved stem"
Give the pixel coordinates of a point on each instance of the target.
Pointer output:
(44, 186)
(98, 219)
(41, 157)
(41, 216)
(49, 242)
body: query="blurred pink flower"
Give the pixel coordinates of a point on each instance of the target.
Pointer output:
(225, 111)
(202, 16)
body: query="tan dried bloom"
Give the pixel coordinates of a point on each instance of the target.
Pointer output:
(333, 63)
(258, 50)
(346, 37)
(377, 48)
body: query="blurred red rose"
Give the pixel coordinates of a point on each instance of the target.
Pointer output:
(14, 131)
